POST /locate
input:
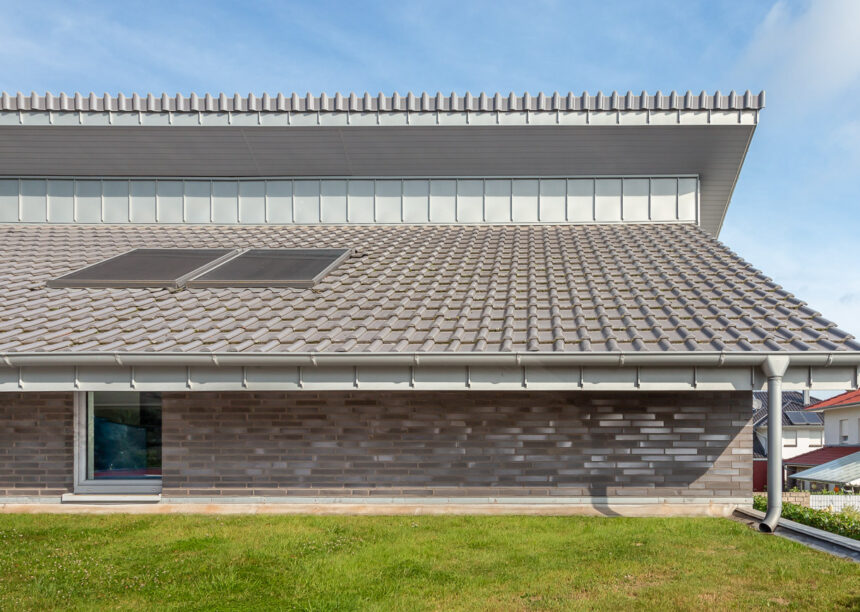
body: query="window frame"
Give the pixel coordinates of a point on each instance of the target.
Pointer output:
(789, 442)
(85, 485)
(816, 438)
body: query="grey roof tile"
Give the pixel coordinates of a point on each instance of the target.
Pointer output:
(550, 288)
(294, 102)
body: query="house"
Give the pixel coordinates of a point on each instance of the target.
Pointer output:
(802, 430)
(418, 299)
(841, 415)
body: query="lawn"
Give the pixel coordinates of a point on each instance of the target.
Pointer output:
(132, 562)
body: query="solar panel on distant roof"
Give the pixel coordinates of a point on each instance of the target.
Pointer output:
(145, 268)
(796, 417)
(273, 268)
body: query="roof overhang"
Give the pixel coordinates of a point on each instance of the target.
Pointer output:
(712, 151)
(417, 371)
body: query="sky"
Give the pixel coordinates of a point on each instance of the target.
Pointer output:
(795, 212)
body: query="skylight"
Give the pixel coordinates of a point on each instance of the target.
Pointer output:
(146, 268)
(273, 268)
(175, 268)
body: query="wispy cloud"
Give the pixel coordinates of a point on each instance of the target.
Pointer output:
(806, 49)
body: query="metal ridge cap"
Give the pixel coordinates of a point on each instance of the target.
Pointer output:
(494, 359)
(424, 101)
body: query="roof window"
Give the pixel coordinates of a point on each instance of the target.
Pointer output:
(176, 268)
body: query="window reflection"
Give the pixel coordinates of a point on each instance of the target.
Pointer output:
(124, 435)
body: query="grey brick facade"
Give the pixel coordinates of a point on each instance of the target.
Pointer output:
(36, 444)
(458, 444)
(693, 444)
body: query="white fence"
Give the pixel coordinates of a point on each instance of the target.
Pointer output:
(350, 200)
(834, 502)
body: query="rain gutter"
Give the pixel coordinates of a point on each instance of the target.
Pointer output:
(514, 359)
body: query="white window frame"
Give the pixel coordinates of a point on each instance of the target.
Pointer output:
(789, 441)
(82, 484)
(816, 438)
(843, 431)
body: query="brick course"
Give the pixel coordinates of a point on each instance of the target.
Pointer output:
(36, 444)
(676, 444)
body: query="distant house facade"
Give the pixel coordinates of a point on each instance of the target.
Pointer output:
(839, 457)
(389, 299)
(841, 415)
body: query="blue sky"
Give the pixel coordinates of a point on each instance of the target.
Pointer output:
(795, 213)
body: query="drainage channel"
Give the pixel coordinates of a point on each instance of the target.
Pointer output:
(818, 539)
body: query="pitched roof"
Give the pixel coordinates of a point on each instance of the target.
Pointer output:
(849, 398)
(759, 451)
(792, 401)
(221, 102)
(845, 470)
(457, 288)
(822, 455)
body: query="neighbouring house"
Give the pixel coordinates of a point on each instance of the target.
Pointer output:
(802, 430)
(841, 415)
(442, 299)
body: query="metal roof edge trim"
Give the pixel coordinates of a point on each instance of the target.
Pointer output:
(366, 102)
(703, 359)
(828, 408)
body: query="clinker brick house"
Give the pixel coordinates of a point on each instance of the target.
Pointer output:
(427, 299)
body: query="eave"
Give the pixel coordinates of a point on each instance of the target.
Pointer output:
(705, 371)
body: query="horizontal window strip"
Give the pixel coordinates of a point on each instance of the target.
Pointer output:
(350, 200)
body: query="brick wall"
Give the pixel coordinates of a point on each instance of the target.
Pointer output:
(36, 444)
(458, 443)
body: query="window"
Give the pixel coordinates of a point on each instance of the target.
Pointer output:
(119, 443)
(789, 437)
(815, 437)
(843, 431)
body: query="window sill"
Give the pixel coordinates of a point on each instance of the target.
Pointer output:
(107, 498)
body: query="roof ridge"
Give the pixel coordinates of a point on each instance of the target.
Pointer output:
(424, 101)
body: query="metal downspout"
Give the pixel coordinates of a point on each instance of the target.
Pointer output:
(774, 368)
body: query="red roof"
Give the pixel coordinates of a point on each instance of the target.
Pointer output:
(822, 455)
(846, 399)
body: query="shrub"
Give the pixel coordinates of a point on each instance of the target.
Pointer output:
(841, 523)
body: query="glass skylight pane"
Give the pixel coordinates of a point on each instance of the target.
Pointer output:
(273, 268)
(145, 268)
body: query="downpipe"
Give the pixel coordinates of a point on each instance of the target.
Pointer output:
(774, 368)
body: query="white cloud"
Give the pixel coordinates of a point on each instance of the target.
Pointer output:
(810, 48)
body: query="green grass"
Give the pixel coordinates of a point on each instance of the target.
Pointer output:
(194, 562)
